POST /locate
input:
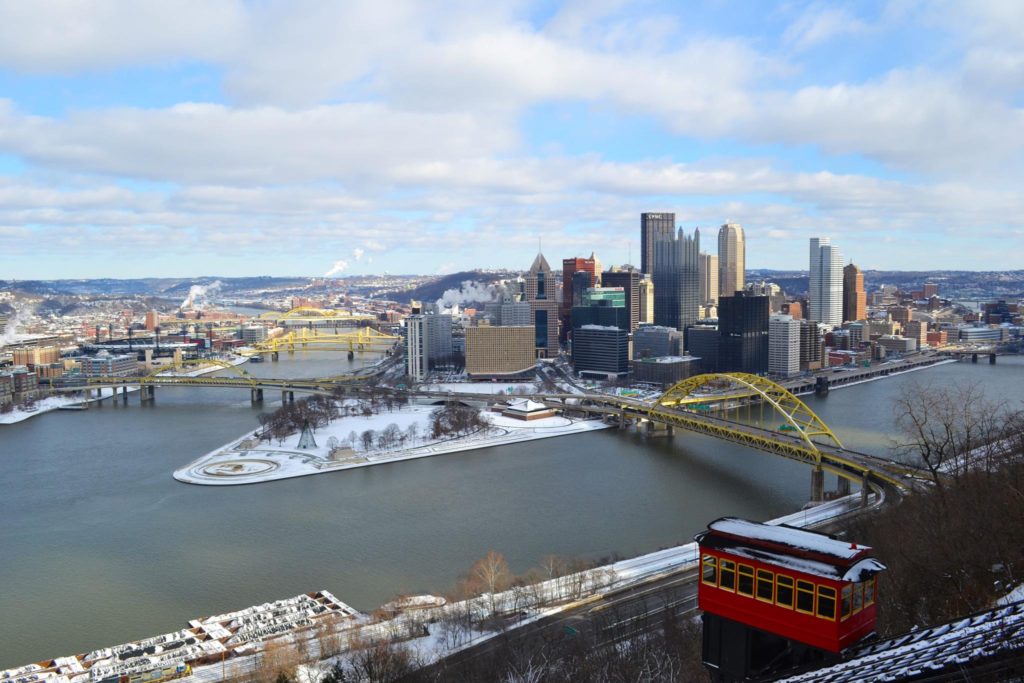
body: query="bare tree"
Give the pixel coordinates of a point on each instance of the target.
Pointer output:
(412, 432)
(382, 662)
(389, 436)
(367, 438)
(948, 430)
(279, 656)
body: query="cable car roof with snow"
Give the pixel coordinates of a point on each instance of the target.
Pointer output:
(810, 552)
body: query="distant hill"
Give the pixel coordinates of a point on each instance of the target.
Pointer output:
(1008, 283)
(172, 287)
(435, 289)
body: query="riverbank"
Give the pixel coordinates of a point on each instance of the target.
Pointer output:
(57, 402)
(341, 446)
(207, 648)
(895, 373)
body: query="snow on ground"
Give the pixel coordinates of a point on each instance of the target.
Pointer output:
(51, 403)
(244, 461)
(1016, 595)
(483, 387)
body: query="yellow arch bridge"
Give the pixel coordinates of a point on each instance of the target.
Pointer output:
(756, 412)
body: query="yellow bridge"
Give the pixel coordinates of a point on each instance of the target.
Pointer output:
(311, 339)
(309, 314)
(183, 374)
(724, 406)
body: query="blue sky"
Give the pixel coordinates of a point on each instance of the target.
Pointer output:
(299, 138)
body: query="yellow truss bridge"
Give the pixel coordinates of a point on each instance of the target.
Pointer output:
(310, 314)
(306, 339)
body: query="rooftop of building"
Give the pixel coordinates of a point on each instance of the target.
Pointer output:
(987, 642)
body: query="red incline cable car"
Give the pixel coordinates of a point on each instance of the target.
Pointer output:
(775, 595)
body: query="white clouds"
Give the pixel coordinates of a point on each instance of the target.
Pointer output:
(206, 143)
(346, 122)
(67, 36)
(916, 120)
(821, 24)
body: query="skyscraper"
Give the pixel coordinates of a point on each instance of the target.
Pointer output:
(646, 299)
(708, 279)
(676, 279)
(629, 280)
(855, 299)
(743, 333)
(428, 340)
(783, 345)
(825, 293)
(732, 259)
(653, 226)
(571, 294)
(540, 294)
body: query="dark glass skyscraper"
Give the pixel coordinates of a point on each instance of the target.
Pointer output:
(676, 279)
(653, 226)
(629, 280)
(743, 333)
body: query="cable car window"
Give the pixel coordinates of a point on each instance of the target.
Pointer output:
(709, 575)
(805, 597)
(727, 575)
(858, 596)
(784, 591)
(827, 602)
(746, 582)
(869, 592)
(765, 585)
(846, 601)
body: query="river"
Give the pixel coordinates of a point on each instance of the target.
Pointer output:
(100, 545)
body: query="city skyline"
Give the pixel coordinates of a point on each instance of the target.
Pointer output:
(240, 139)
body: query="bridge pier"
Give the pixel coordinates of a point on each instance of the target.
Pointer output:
(991, 359)
(864, 489)
(843, 486)
(124, 394)
(275, 356)
(287, 397)
(821, 386)
(817, 484)
(659, 429)
(256, 395)
(147, 393)
(974, 358)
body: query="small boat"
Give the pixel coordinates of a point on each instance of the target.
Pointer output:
(73, 406)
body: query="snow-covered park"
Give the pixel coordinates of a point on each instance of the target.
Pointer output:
(346, 443)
